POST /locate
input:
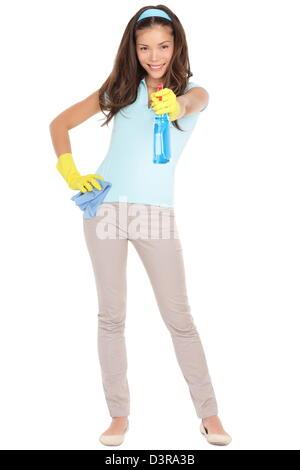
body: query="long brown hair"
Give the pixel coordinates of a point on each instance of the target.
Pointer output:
(122, 84)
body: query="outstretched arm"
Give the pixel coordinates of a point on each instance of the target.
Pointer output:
(194, 100)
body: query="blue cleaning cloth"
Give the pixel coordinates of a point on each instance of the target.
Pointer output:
(89, 202)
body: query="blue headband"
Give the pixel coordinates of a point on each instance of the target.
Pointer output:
(154, 12)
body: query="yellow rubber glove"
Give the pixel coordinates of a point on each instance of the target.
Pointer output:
(68, 170)
(169, 103)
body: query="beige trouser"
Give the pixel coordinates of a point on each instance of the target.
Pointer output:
(153, 232)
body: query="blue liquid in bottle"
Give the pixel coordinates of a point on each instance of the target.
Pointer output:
(161, 136)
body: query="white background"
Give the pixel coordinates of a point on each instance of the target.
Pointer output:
(237, 205)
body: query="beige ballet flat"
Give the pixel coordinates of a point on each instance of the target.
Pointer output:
(218, 439)
(113, 439)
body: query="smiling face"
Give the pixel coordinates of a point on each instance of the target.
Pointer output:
(154, 46)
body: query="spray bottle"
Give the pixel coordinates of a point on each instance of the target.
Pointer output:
(161, 134)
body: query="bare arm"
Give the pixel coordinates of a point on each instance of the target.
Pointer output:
(194, 100)
(70, 118)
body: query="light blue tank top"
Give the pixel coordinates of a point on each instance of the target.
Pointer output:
(128, 164)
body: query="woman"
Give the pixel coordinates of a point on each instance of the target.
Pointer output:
(153, 49)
